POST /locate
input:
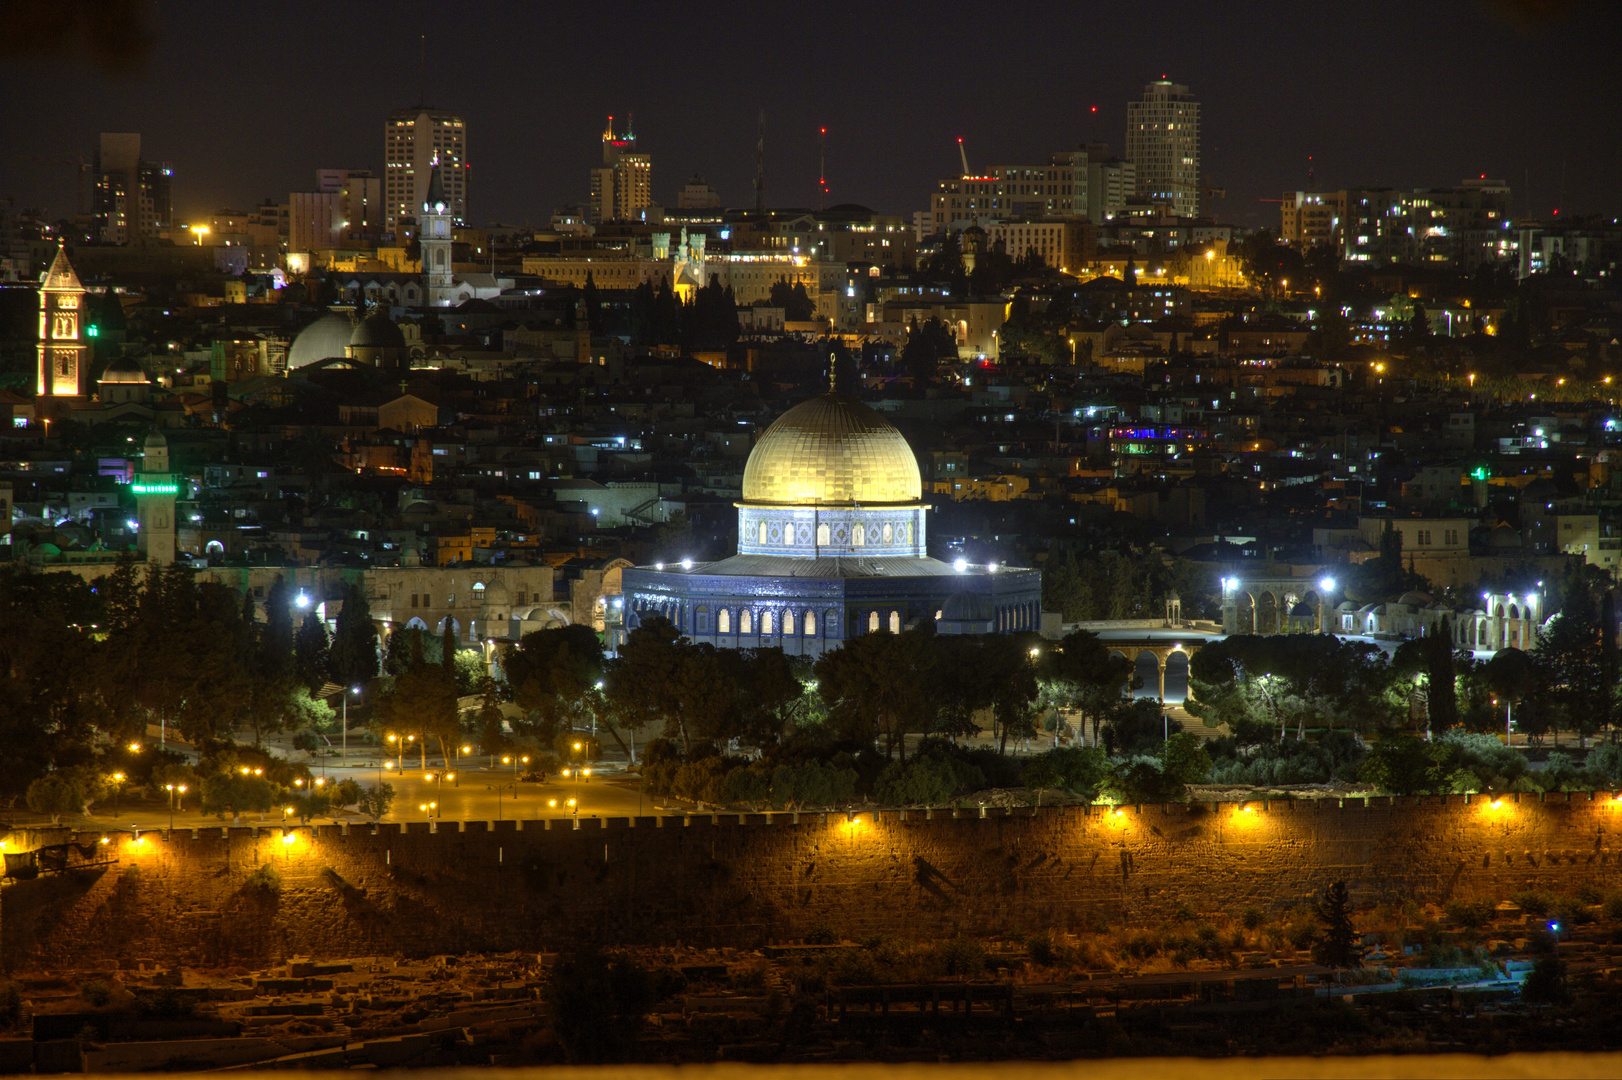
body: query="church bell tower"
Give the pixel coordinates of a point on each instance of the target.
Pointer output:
(436, 238)
(63, 355)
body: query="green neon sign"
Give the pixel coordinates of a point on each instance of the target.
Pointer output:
(1480, 473)
(156, 489)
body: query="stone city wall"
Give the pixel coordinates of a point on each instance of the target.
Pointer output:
(194, 898)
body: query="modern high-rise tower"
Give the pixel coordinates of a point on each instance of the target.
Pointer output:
(623, 187)
(131, 200)
(412, 140)
(1163, 143)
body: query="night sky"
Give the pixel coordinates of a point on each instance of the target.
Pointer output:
(248, 100)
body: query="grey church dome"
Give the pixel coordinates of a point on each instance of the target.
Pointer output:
(377, 331)
(323, 339)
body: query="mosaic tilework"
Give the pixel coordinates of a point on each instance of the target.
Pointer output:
(831, 450)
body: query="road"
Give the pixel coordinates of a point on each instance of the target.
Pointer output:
(477, 793)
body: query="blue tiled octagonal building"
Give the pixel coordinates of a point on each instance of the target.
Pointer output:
(831, 544)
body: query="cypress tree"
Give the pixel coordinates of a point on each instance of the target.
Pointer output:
(1339, 945)
(1444, 698)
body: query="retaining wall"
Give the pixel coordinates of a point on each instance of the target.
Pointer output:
(735, 880)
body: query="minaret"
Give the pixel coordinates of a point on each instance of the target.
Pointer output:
(436, 240)
(155, 491)
(63, 356)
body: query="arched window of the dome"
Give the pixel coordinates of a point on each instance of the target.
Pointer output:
(788, 534)
(745, 622)
(895, 622)
(762, 532)
(723, 622)
(858, 536)
(765, 622)
(873, 622)
(824, 538)
(810, 624)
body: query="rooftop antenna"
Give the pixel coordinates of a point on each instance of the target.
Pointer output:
(822, 166)
(760, 166)
(963, 154)
(1311, 183)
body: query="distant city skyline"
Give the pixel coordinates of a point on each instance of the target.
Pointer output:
(1463, 89)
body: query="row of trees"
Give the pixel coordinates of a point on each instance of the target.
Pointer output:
(88, 666)
(1322, 682)
(879, 689)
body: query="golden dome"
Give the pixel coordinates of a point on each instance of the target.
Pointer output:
(831, 451)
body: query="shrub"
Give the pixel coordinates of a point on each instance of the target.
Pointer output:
(962, 956)
(1604, 764)
(1546, 985)
(11, 1005)
(744, 786)
(346, 792)
(1042, 950)
(598, 1005)
(1144, 780)
(1613, 907)
(1185, 913)
(54, 795)
(1079, 770)
(1589, 893)
(1533, 902)
(928, 779)
(375, 800)
(263, 884)
(821, 935)
(1301, 935)
(1251, 917)
(1471, 914)
(97, 992)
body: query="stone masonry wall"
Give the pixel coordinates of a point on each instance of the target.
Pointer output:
(742, 881)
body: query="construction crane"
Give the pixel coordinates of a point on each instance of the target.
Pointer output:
(963, 154)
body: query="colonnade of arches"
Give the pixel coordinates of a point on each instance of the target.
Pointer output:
(1161, 670)
(1268, 610)
(789, 620)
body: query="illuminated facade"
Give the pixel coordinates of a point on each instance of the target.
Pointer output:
(623, 188)
(413, 139)
(63, 355)
(1163, 143)
(831, 544)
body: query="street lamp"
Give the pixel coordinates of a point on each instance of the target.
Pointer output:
(118, 788)
(343, 755)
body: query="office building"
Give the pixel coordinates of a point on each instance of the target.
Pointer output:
(413, 139)
(623, 188)
(1163, 143)
(131, 200)
(1086, 183)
